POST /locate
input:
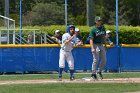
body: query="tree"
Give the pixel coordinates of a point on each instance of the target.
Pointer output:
(1, 7)
(134, 5)
(46, 14)
(77, 11)
(124, 12)
(129, 11)
(109, 11)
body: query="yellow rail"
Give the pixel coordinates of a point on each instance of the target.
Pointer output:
(130, 45)
(56, 45)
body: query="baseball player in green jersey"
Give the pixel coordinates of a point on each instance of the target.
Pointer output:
(97, 39)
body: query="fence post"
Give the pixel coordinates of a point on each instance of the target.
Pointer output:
(14, 37)
(118, 58)
(45, 38)
(34, 36)
(0, 36)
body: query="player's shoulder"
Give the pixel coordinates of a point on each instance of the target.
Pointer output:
(103, 27)
(93, 29)
(66, 34)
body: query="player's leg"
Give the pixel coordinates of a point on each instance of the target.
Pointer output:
(70, 61)
(95, 61)
(61, 63)
(103, 61)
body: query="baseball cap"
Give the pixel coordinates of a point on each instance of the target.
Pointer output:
(70, 26)
(98, 18)
(57, 31)
(77, 30)
(108, 31)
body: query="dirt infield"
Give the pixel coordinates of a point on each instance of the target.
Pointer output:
(83, 80)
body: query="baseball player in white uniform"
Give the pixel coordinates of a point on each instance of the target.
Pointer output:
(68, 41)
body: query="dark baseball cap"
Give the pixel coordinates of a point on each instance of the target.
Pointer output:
(70, 26)
(98, 18)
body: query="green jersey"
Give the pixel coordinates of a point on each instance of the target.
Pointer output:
(97, 34)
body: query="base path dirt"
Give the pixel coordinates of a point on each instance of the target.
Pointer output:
(83, 80)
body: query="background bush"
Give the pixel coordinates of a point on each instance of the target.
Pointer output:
(127, 34)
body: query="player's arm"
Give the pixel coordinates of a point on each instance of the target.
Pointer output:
(67, 41)
(78, 42)
(105, 42)
(104, 37)
(91, 36)
(92, 45)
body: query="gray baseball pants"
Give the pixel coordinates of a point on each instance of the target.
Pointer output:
(99, 54)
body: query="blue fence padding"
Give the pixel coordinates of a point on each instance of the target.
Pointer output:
(9, 60)
(112, 59)
(47, 59)
(130, 58)
(41, 59)
(82, 58)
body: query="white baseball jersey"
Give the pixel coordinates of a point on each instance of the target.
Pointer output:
(68, 46)
(65, 51)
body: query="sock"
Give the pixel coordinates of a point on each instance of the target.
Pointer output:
(60, 72)
(71, 73)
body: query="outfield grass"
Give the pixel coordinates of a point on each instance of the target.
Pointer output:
(66, 75)
(69, 88)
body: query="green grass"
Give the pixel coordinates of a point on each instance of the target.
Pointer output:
(66, 75)
(69, 88)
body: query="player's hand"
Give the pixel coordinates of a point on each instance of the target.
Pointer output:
(80, 43)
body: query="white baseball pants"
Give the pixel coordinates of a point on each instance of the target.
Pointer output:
(66, 55)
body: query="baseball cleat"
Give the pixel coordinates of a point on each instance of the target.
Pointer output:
(100, 75)
(94, 76)
(72, 78)
(60, 78)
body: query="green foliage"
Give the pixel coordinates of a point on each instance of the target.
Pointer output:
(1, 7)
(129, 11)
(46, 14)
(127, 34)
(15, 17)
(80, 20)
(130, 35)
